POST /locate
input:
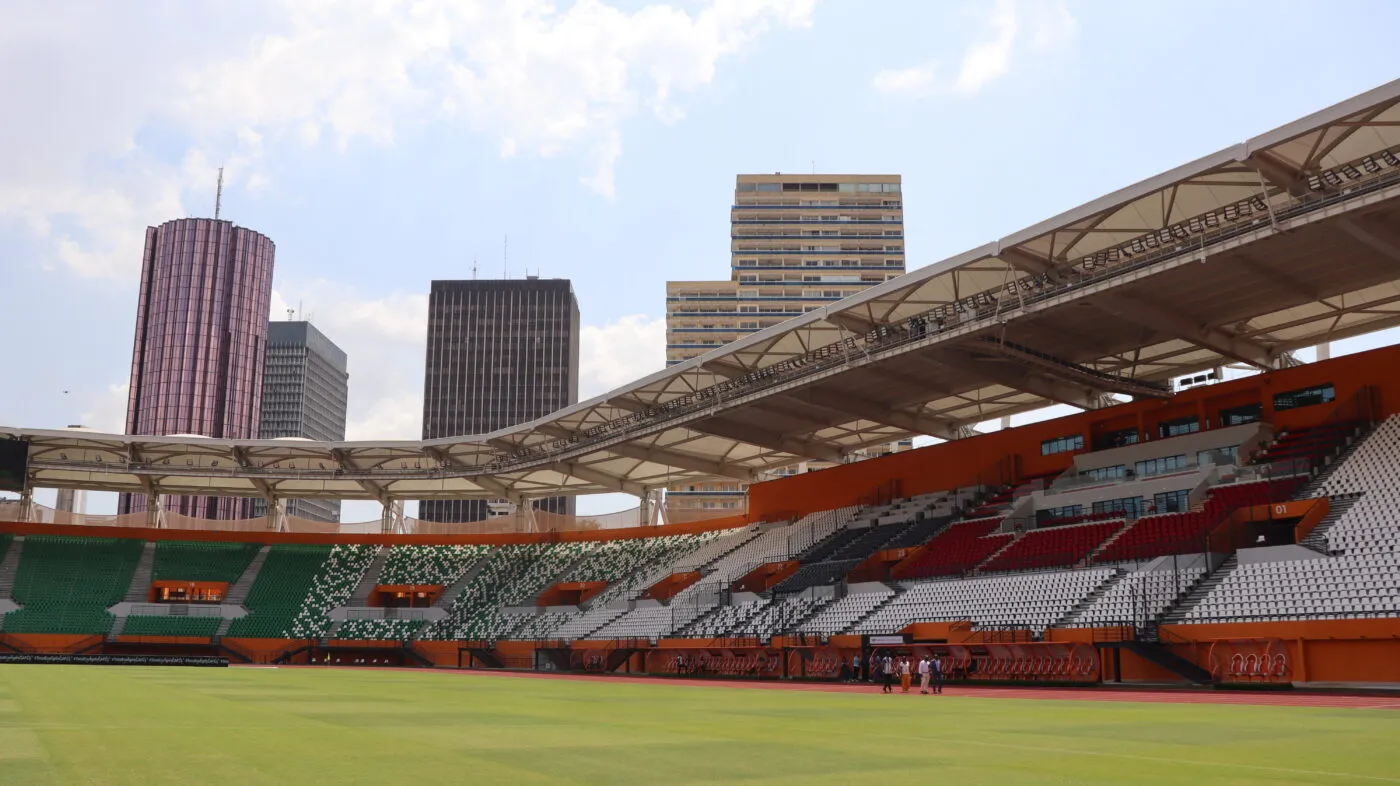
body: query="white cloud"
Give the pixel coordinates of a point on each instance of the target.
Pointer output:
(987, 60)
(1012, 26)
(619, 352)
(108, 410)
(906, 81)
(231, 82)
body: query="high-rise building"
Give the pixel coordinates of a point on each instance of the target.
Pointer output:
(306, 386)
(500, 353)
(201, 327)
(796, 243)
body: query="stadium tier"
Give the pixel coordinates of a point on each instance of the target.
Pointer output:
(279, 591)
(201, 560)
(1290, 517)
(66, 584)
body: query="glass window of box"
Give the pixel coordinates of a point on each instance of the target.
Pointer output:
(1175, 428)
(1063, 444)
(1161, 465)
(1306, 397)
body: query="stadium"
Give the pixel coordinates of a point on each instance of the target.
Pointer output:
(1094, 587)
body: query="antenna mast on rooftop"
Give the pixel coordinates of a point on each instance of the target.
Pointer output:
(219, 195)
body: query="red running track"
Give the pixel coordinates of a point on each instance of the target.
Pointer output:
(1294, 698)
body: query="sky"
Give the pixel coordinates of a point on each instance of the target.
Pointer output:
(384, 144)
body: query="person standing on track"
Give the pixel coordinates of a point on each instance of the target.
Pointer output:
(887, 672)
(905, 677)
(923, 675)
(936, 671)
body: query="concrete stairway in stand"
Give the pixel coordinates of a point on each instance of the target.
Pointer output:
(238, 591)
(360, 597)
(9, 566)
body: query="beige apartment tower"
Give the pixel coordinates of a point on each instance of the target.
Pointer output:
(796, 243)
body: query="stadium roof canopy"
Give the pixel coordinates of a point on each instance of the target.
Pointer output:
(1285, 241)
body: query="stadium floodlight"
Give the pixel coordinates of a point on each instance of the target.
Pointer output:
(1369, 164)
(1390, 158)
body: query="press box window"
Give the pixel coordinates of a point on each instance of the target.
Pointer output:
(1238, 416)
(1305, 397)
(1119, 438)
(1129, 507)
(1175, 428)
(1171, 501)
(1065, 512)
(1116, 472)
(1161, 465)
(1062, 445)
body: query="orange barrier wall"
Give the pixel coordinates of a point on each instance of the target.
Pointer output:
(1355, 650)
(667, 588)
(765, 576)
(64, 643)
(570, 593)
(430, 593)
(143, 533)
(1226, 536)
(974, 461)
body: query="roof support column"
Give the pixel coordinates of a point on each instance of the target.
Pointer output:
(525, 512)
(155, 508)
(276, 513)
(26, 504)
(391, 519)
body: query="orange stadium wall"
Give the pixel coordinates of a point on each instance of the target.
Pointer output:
(144, 533)
(982, 460)
(1357, 650)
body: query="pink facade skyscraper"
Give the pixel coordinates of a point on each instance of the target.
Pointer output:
(201, 331)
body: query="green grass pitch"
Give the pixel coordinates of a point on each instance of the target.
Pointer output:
(130, 725)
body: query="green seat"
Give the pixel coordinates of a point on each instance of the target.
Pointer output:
(177, 560)
(277, 594)
(66, 583)
(171, 626)
(379, 630)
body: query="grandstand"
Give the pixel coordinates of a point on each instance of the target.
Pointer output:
(1164, 529)
(1127, 547)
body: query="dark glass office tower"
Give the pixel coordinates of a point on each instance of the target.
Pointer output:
(499, 353)
(201, 326)
(305, 389)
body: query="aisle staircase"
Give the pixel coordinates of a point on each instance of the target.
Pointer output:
(1089, 600)
(139, 591)
(9, 566)
(1177, 613)
(1337, 507)
(360, 596)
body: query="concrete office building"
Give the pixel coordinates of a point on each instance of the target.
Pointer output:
(797, 243)
(201, 328)
(500, 353)
(306, 384)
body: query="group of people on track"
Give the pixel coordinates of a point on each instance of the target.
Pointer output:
(885, 668)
